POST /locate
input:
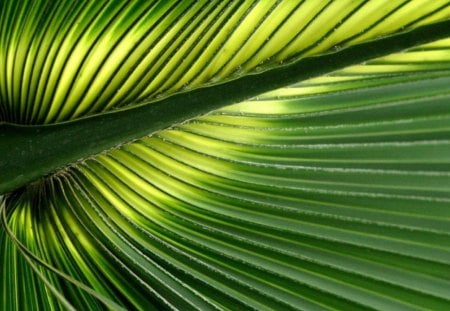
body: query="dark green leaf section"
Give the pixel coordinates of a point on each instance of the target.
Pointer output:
(332, 193)
(31, 152)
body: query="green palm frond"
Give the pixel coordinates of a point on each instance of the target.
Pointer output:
(225, 155)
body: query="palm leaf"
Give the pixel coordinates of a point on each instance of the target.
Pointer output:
(225, 155)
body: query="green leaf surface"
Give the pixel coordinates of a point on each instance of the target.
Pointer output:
(310, 188)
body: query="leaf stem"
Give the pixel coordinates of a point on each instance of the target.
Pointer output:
(31, 152)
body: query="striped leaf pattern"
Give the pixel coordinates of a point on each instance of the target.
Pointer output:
(66, 60)
(332, 193)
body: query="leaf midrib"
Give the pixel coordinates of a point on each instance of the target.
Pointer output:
(31, 152)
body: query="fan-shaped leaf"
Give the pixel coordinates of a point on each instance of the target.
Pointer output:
(329, 193)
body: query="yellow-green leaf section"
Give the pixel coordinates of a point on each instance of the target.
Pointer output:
(60, 61)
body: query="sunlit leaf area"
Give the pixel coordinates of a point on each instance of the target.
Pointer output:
(225, 155)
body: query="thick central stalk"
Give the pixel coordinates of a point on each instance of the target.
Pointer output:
(30, 152)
